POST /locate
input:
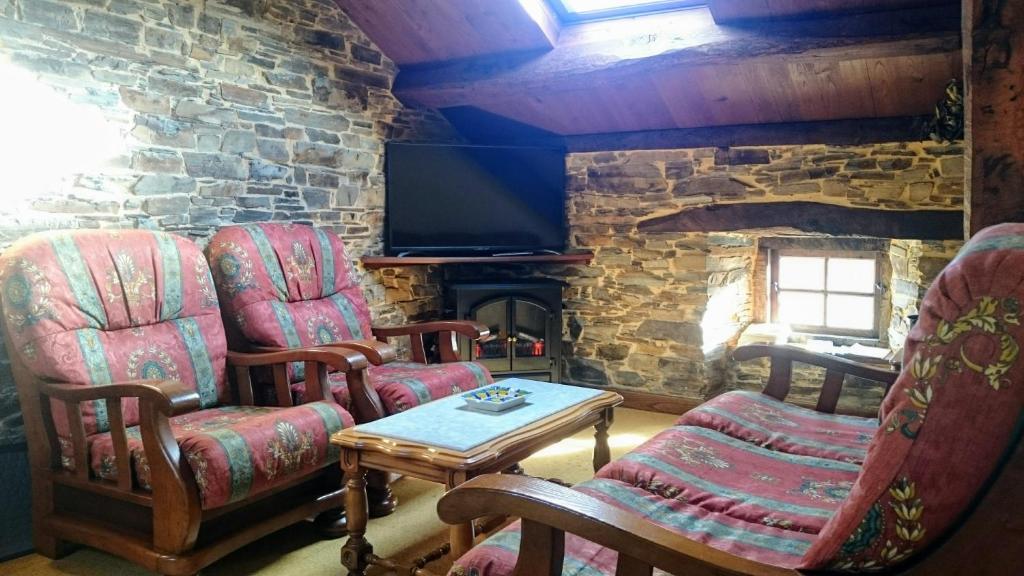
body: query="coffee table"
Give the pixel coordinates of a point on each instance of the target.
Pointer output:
(444, 441)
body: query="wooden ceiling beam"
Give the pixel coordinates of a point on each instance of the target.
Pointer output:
(736, 11)
(681, 70)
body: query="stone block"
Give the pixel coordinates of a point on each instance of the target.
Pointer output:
(161, 39)
(364, 54)
(161, 131)
(952, 166)
(317, 198)
(182, 15)
(205, 113)
(900, 163)
(243, 216)
(110, 27)
(586, 371)
(714, 185)
(323, 180)
(50, 14)
(166, 205)
(204, 216)
(332, 122)
(156, 161)
(682, 332)
(150, 185)
(797, 188)
(313, 153)
(861, 164)
(287, 80)
(238, 142)
(320, 38)
(145, 102)
(245, 96)
(220, 166)
(362, 77)
(741, 156)
(273, 150)
(255, 202)
(261, 171)
(322, 136)
(174, 87)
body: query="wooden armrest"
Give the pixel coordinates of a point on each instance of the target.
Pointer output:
(171, 397)
(473, 330)
(342, 359)
(782, 358)
(548, 510)
(376, 352)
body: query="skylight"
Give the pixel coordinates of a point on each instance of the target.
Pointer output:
(578, 10)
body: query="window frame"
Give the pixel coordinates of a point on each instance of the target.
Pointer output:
(824, 330)
(569, 17)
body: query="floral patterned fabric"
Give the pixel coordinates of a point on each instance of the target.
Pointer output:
(237, 451)
(949, 418)
(288, 286)
(96, 307)
(497, 555)
(736, 478)
(404, 385)
(765, 421)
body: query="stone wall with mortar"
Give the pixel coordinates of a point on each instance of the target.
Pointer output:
(190, 115)
(652, 312)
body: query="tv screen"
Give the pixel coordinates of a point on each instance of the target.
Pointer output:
(470, 199)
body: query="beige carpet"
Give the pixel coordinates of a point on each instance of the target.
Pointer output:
(408, 533)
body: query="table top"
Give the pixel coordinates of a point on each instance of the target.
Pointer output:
(448, 426)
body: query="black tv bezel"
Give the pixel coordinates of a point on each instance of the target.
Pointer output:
(392, 250)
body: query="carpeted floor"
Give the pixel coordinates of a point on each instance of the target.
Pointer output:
(408, 533)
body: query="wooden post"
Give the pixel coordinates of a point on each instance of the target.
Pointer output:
(993, 38)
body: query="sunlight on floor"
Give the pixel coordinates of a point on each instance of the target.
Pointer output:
(574, 445)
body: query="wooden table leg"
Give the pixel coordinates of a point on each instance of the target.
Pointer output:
(461, 535)
(357, 551)
(602, 453)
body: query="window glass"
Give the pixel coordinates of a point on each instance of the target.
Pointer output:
(802, 308)
(850, 312)
(801, 273)
(851, 275)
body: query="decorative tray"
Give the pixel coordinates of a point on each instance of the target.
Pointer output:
(495, 398)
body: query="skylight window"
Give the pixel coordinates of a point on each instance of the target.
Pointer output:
(579, 10)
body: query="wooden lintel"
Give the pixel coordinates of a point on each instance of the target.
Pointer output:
(813, 217)
(732, 11)
(834, 132)
(994, 76)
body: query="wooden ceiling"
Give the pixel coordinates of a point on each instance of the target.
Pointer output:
(734, 62)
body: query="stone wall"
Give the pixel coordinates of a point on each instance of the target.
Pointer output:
(655, 311)
(186, 116)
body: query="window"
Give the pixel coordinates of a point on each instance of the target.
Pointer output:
(580, 10)
(822, 292)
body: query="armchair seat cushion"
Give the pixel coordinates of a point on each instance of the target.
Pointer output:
(236, 451)
(403, 385)
(762, 420)
(497, 555)
(737, 479)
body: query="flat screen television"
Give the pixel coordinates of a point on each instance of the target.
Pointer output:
(448, 199)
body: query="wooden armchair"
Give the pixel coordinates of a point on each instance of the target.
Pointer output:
(286, 286)
(746, 484)
(137, 444)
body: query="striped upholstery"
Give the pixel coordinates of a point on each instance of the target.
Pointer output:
(497, 555)
(238, 451)
(101, 307)
(948, 419)
(765, 421)
(288, 286)
(96, 307)
(403, 385)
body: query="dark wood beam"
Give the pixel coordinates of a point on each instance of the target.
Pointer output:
(813, 217)
(835, 132)
(733, 11)
(994, 75)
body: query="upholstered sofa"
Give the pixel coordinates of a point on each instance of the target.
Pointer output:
(138, 443)
(748, 484)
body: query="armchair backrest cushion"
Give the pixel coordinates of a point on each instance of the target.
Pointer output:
(949, 420)
(287, 285)
(96, 307)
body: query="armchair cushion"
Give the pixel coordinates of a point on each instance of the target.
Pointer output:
(762, 420)
(235, 451)
(737, 479)
(95, 307)
(403, 385)
(497, 555)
